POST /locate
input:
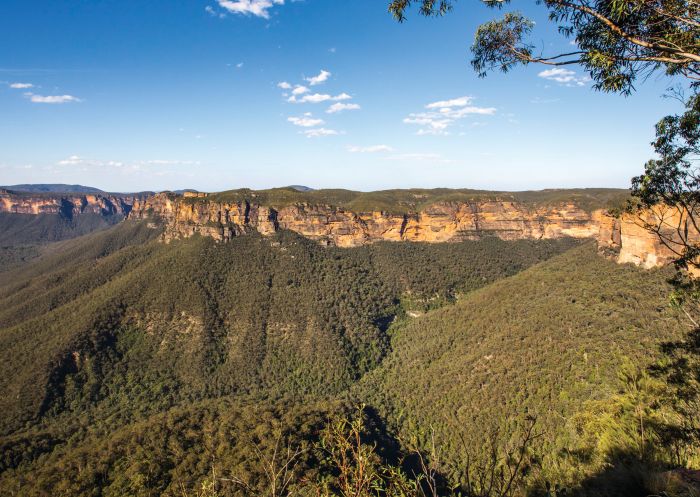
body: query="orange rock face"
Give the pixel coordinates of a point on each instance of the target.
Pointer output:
(673, 229)
(440, 222)
(67, 205)
(626, 238)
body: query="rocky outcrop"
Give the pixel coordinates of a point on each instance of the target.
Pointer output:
(67, 205)
(672, 229)
(440, 222)
(626, 238)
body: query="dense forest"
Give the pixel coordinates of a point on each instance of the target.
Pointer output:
(134, 367)
(24, 236)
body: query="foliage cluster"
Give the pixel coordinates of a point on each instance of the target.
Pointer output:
(414, 200)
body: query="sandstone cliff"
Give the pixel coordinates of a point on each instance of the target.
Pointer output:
(624, 238)
(439, 222)
(67, 205)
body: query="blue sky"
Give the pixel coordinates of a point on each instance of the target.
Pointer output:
(130, 95)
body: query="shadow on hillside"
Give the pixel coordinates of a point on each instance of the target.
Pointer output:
(679, 371)
(629, 477)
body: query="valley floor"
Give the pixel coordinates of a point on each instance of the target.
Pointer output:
(132, 367)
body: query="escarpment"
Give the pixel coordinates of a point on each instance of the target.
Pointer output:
(435, 220)
(67, 205)
(329, 225)
(624, 238)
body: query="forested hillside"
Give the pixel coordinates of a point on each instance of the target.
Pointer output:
(24, 236)
(556, 342)
(133, 367)
(114, 328)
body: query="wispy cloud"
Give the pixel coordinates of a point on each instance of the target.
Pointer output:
(339, 107)
(212, 12)
(443, 114)
(300, 90)
(305, 121)
(317, 98)
(455, 102)
(322, 77)
(258, 8)
(76, 160)
(373, 149)
(565, 77)
(51, 99)
(79, 163)
(302, 94)
(319, 132)
(21, 86)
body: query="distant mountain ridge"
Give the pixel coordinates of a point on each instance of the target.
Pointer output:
(53, 188)
(48, 215)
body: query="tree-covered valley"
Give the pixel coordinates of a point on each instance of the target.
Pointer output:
(134, 367)
(490, 288)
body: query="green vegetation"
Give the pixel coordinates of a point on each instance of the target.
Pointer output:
(133, 367)
(24, 236)
(550, 341)
(673, 181)
(616, 41)
(414, 200)
(30, 229)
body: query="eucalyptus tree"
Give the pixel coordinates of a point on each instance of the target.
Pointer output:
(617, 40)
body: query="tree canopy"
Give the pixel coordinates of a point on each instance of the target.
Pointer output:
(617, 41)
(672, 181)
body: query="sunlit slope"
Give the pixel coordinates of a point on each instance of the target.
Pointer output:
(542, 342)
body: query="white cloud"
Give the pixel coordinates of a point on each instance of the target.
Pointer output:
(21, 86)
(564, 76)
(85, 164)
(239, 65)
(432, 125)
(284, 85)
(72, 160)
(98, 165)
(51, 99)
(306, 121)
(299, 90)
(259, 8)
(338, 107)
(317, 98)
(443, 114)
(210, 10)
(465, 111)
(322, 77)
(369, 150)
(455, 102)
(318, 132)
